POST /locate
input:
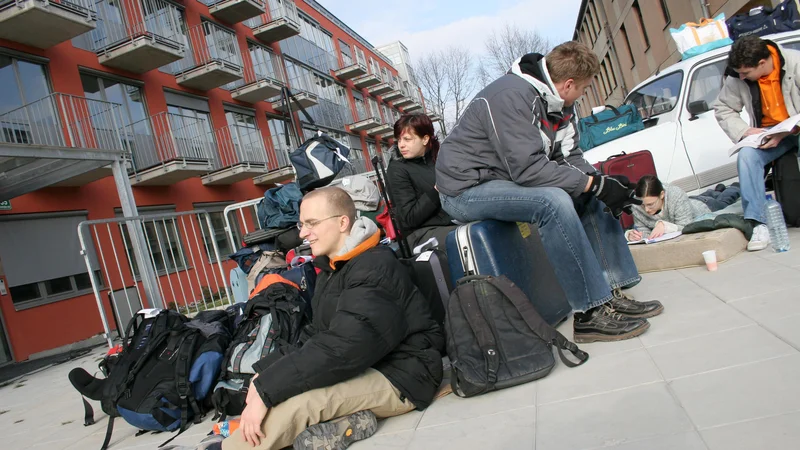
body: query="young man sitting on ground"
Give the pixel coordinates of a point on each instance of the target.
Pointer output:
(762, 81)
(514, 156)
(375, 350)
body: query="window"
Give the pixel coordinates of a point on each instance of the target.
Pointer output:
(361, 109)
(657, 97)
(277, 131)
(706, 83)
(347, 56)
(372, 148)
(264, 62)
(640, 21)
(164, 242)
(387, 115)
(624, 34)
(246, 137)
(589, 24)
(314, 46)
(216, 214)
(108, 90)
(609, 68)
(192, 131)
(21, 82)
(374, 111)
(665, 12)
(360, 58)
(42, 262)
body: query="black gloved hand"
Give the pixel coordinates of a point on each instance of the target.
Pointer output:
(614, 192)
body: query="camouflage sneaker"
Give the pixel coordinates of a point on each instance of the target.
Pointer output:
(337, 434)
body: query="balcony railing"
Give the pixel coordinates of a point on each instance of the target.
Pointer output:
(267, 70)
(166, 137)
(138, 36)
(62, 120)
(210, 44)
(240, 145)
(45, 23)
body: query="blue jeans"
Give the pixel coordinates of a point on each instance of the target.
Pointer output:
(716, 200)
(587, 273)
(751, 163)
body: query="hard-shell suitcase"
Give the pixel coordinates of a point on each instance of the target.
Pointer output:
(634, 166)
(495, 248)
(786, 182)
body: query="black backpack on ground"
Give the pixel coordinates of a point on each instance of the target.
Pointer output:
(272, 318)
(496, 339)
(163, 374)
(786, 182)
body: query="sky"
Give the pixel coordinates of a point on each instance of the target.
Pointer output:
(430, 25)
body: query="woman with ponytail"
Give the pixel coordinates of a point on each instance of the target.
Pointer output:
(411, 178)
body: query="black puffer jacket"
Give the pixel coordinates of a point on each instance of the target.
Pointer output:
(411, 188)
(367, 313)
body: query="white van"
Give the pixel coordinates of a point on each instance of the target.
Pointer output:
(689, 148)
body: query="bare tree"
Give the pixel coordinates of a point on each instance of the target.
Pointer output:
(432, 77)
(504, 47)
(460, 77)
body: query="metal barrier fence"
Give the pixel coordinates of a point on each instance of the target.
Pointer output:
(166, 137)
(169, 260)
(231, 211)
(63, 120)
(209, 43)
(239, 144)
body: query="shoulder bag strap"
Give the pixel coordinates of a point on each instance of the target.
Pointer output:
(536, 323)
(483, 333)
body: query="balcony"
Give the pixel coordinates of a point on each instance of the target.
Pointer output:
(351, 71)
(434, 117)
(380, 89)
(365, 124)
(132, 40)
(234, 11)
(43, 24)
(392, 95)
(414, 107)
(280, 168)
(381, 130)
(168, 148)
(242, 155)
(277, 24)
(302, 88)
(365, 81)
(213, 61)
(260, 82)
(59, 139)
(403, 102)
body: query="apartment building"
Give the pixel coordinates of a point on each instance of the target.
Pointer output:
(160, 107)
(398, 54)
(631, 38)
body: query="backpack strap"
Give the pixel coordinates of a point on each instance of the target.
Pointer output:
(182, 368)
(88, 413)
(109, 431)
(535, 321)
(483, 333)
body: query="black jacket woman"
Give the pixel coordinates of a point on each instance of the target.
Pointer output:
(411, 179)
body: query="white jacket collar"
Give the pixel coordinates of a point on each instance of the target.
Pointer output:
(546, 90)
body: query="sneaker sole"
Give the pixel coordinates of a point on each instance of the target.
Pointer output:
(585, 338)
(756, 248)
(646, 315)
(326, 436)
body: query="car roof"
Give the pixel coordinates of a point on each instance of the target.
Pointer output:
(687, 64)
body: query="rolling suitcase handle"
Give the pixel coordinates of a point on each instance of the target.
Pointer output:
(377, 163)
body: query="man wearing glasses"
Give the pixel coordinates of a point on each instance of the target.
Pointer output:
(375, 350)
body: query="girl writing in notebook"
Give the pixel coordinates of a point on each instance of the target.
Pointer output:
(666, 208)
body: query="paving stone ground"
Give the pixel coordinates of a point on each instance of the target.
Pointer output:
(718, 370)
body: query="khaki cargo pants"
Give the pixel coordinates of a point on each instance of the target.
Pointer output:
(368, 391)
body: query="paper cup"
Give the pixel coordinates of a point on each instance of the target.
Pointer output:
(710, 258)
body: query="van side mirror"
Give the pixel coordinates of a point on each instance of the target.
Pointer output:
(697, 107)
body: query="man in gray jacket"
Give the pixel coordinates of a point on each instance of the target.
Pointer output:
(763, 81)
(514, 156)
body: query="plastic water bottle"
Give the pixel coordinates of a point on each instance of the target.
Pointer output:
(778, 234)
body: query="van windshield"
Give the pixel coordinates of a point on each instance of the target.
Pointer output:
(658, 97)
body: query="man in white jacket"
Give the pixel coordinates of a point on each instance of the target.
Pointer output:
(766, 87)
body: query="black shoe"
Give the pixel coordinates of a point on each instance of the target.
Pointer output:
(720, 188)
(337, 434)
(629, 307)
(603, 324)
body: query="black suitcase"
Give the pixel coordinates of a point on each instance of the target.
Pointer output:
(263, 236)
(430, 273)
(786, 182)
(495, 248)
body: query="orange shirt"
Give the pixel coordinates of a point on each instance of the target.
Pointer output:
(772, 104)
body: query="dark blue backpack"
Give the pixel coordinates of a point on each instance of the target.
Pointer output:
(318, 161)
(280, 207)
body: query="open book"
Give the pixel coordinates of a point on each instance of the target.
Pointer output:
(757, 140)
(664, 237)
